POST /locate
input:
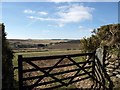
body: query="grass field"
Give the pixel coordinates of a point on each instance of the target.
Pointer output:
(47, 53)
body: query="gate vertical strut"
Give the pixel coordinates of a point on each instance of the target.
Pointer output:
(20, 72)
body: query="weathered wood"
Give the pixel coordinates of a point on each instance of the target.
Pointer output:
(20, 72)
(54, 57)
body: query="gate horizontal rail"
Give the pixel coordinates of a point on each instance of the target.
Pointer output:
(54, 57)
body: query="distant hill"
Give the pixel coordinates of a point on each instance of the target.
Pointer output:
(36, 41)
(47, 44)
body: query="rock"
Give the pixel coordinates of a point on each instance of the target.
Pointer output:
(118, 70)
(115, 72)
(118, 75)
(116, 64)
(110, 66)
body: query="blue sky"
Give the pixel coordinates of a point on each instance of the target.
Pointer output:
(50, 20)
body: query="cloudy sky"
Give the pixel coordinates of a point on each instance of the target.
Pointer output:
(55, 20)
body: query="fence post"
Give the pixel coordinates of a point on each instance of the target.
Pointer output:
(20, 72)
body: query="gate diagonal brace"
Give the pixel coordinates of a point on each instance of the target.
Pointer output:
(46, 73)
(79, 69)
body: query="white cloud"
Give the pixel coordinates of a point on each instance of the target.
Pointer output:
(60, 25)
(67, 14)
(30, 17)
(91, 30)
(75, 13)
(41, 19)
(29, 11)
(42, 13)
(56, 25)
(82, 28)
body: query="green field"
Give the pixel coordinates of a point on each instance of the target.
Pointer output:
(47, 53)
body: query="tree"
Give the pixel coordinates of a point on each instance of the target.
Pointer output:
(107, 35)
(90, 44)
(7, 67)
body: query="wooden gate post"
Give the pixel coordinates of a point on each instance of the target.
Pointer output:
(20, 72)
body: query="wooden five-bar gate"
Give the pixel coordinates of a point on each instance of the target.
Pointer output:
(54, 72)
